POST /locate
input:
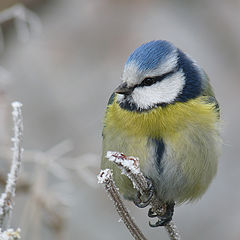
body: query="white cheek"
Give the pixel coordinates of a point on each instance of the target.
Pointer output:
(165, 91)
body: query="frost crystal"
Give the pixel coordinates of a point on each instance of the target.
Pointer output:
(10, 234)
(129, 163)
(16, 104)
(9, 193)
(104, 175)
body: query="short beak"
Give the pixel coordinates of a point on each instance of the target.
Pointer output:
(123, 89)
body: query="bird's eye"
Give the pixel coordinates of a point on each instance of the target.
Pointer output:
(148, 82)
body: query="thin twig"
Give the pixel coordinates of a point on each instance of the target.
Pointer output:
(172, 231)
(105, 177)
(6, 197)
(130, 167)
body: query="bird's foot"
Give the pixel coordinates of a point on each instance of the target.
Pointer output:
(164, 219)
(143, 200)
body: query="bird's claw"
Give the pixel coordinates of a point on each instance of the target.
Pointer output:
(164, 219)
(147, 196)
(160, 223)
(151, 213)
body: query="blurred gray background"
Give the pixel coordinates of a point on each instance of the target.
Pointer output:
(64, 77)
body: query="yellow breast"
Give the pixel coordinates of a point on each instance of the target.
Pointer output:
(162, 122)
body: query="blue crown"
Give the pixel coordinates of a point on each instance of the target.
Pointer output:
(149, 55)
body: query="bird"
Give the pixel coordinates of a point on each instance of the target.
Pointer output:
(164, 112)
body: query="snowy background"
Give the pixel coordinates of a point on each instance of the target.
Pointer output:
(64, 77)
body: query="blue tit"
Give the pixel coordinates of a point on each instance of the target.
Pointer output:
(165, 113)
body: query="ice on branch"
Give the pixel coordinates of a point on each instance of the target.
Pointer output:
(6, 201)
(131, 168)
(10, 234)
(104, 175)
(129, 163)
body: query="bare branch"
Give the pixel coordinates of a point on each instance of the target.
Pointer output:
(7, 196)
(105, 177)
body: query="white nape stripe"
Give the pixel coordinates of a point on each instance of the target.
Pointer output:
(161, 92)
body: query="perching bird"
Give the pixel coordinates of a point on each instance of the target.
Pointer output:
(165, 113)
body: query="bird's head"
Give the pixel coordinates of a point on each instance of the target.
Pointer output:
(157, 74)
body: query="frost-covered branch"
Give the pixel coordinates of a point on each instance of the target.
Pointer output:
(105, 177)
(10, 234)
(6, 197)
(44, 197)
(130, 167)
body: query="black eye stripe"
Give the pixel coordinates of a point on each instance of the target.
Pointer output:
(151, 80)
(147, 82)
